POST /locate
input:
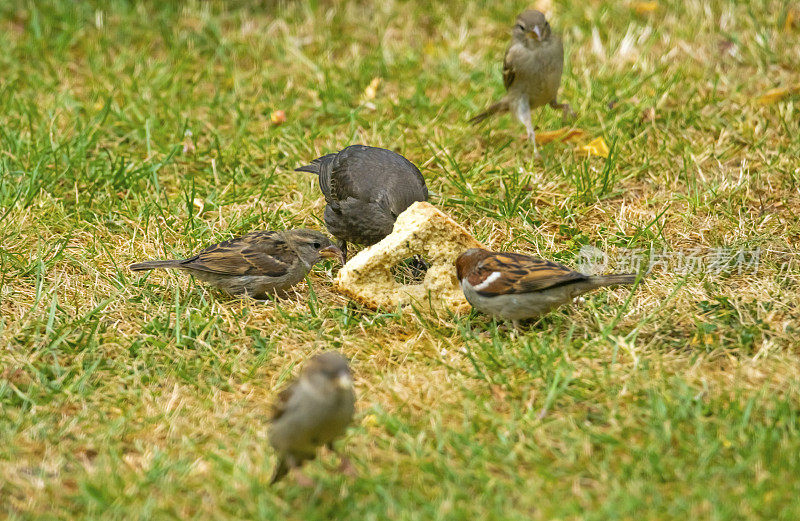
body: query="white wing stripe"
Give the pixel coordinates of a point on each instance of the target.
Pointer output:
(487, 281)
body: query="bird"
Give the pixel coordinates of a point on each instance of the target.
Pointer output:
(365, 189)
(257, 264)
(513, 286)
(313, 410)
(532, 69)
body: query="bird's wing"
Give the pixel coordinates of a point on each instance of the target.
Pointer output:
(508, 69)
(376, 175)
(281, 404)
(257, 253)
(509, 273)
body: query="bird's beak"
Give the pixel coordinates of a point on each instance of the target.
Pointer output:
(344, 381)
(537, 32)
(332, 252)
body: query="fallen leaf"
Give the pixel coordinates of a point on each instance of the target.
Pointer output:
(643, 8)
(372, 89)
(596, 147)
(792, 19)
(562, 134)
(277, 117)
(777, 94)
(649, 114)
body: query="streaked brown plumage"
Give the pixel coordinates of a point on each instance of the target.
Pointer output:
(513, 286)
(256, 264)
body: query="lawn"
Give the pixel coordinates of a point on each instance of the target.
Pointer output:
(141, 130)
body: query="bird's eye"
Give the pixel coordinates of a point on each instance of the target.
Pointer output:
(520, 27)
(317, 245)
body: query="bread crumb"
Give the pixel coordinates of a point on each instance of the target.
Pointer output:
(420, 230)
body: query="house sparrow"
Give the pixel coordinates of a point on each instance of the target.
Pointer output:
(512, 286)
(366, 188)
(531, 72)
(312, 411)
(255, 264)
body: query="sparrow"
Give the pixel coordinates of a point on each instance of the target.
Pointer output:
(312, 411)
(256, 264)
(531, 72)
(365, 189)
(513, 286)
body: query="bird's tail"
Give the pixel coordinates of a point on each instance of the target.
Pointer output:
(316, 165)
(151, 265)
(615, 279)
(500, 106)
(280, 471)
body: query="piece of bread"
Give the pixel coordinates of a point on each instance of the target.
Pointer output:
(420, 230)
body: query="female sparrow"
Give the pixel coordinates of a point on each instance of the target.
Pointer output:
(312, 411)
(256, 264)
(531, 72)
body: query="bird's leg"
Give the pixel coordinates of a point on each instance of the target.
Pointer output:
(343, 247)
(289, 465)
(522, 111)
(280, 470)
(566, 111)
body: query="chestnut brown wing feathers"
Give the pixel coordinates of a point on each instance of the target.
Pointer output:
(516, 273)
(257, 253)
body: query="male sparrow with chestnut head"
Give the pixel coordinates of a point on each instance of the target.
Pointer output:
(256, 264)
(512, 286)
(366, 188)
(312, 411)
(531, 72)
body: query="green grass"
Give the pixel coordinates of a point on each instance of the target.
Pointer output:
(129, 397)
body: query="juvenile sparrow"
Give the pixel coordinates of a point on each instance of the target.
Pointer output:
(366, 188)
(512, 286)
(531, 72)
(255, 264)
(312, 411)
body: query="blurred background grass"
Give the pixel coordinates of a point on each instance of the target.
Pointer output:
(138, 130)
